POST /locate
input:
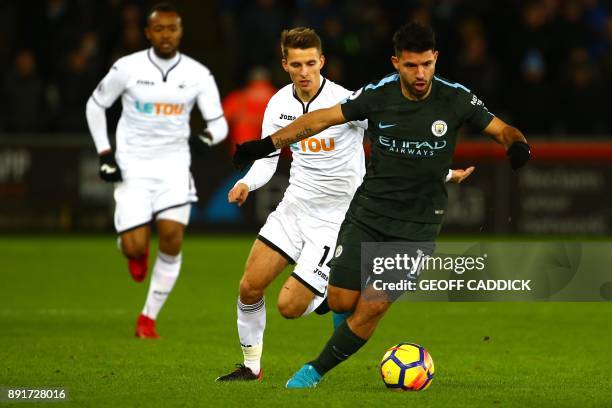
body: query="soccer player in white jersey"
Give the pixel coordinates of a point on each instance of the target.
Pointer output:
(325, 172)
(150, 167)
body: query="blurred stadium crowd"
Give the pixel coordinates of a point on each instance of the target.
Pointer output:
(544, 65)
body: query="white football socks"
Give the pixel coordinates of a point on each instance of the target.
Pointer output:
(251, 326)
(165, 272)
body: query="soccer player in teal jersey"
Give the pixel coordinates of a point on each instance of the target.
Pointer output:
(414, 118)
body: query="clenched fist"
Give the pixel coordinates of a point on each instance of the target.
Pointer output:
(238, 194)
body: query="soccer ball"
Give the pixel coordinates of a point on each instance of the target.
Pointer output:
(407, 367)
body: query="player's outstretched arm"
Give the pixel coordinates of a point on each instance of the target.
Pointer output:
(512, 139)
(308, 125)
(303, 127)
(259, 174)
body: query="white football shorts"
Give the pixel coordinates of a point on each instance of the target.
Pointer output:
(303, 240)
(139, 200)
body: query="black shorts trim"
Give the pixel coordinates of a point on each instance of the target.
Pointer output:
(156, 213)
(308, 285)
(276, 248)
(134, 227)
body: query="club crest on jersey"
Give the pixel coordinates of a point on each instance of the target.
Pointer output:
(338, 251)
(439, 128)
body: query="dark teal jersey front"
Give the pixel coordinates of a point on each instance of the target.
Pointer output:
(412, 145)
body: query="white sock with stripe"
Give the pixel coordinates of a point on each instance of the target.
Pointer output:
(251, 326)
(165, 272)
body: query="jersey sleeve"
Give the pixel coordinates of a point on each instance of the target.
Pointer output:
(356, 106)
(260, 172)
(209, 101)
(111, 86)
(358, 124)
(472, 110)
(263, 169)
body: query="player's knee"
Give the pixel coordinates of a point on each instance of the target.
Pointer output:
(133, 248)
(338, 301)
(170, 241)
(339, 305)
(250, 293)
(290, 309)
(374, 309)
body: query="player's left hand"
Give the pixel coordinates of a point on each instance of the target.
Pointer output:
(246, 153)
(460, 174)
(200, 142)
(519, 154)
(109, 170)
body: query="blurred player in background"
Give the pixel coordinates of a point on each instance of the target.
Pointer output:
(150, 167)
(325, 172)
(413, 120)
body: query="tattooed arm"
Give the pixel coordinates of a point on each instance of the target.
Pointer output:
(308, 125)
(303, 127)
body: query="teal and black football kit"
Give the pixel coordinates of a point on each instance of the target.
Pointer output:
(403, 195)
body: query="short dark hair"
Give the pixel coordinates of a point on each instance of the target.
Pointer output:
(301, 38)
(164, 7)
(414, 37)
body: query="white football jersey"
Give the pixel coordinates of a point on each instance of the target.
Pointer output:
(328, 167)
(157, 96)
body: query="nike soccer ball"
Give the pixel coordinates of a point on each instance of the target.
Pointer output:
(407, 367)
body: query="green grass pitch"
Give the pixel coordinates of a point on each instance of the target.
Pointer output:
(68, 308)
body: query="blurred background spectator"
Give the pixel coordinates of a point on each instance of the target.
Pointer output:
(544, 65)
(23, 95)
(244, 108)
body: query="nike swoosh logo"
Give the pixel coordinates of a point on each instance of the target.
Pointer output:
(380, 125)
(108, 169)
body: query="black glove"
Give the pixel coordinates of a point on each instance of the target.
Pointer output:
(200, 142)
(519, 154)
(247, 153)
(109, 169)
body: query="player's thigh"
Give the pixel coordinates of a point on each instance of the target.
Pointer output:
(133, 205)
(342, 300)
(281, 232)
(277, 245)
(263, 265)
(173, 194)
(134, 242)
(171, 225)
(312, 268)
(294, 298)
(345, 265)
